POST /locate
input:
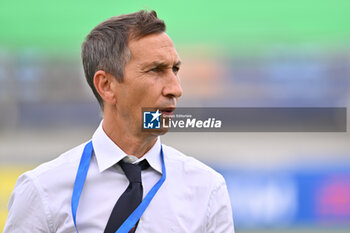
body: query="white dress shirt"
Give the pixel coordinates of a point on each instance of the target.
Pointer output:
(193, 198)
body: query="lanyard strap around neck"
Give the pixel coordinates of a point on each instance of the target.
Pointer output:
(79, 184)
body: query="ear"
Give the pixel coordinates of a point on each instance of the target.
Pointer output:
(104, 85)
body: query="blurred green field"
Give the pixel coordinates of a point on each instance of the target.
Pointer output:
(231, 23)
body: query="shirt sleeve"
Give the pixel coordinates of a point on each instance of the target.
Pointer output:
(26, 209)
(220, 218)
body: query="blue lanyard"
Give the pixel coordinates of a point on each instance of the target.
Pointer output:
(79, 184)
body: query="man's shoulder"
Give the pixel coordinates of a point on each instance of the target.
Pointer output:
(66, 162)
(191, 166)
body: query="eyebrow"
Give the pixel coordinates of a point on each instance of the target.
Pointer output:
(161, 64)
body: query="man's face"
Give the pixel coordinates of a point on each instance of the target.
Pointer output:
(150, 79)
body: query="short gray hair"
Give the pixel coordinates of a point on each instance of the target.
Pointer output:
(106, 46)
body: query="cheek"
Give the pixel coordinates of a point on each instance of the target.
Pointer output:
(147, 93)
(141, 94)
(133, 99)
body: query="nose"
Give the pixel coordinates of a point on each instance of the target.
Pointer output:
(172, 87)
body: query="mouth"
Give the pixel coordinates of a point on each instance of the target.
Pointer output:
(167, 111)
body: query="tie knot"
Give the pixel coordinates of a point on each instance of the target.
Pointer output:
(133, 171)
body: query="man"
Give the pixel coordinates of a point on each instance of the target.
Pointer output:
(100, 186)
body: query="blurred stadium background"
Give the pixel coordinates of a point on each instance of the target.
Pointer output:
(258, 53)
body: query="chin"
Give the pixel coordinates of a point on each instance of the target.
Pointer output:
(157, 132)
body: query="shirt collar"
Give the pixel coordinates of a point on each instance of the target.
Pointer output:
(108, 153)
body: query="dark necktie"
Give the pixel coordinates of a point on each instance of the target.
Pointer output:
(131, 197)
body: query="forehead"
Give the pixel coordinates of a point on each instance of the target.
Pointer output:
(153, 48)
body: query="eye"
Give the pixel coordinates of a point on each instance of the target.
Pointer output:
(176, 69)
(154, 69)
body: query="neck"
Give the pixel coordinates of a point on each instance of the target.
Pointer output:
(125, 139)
